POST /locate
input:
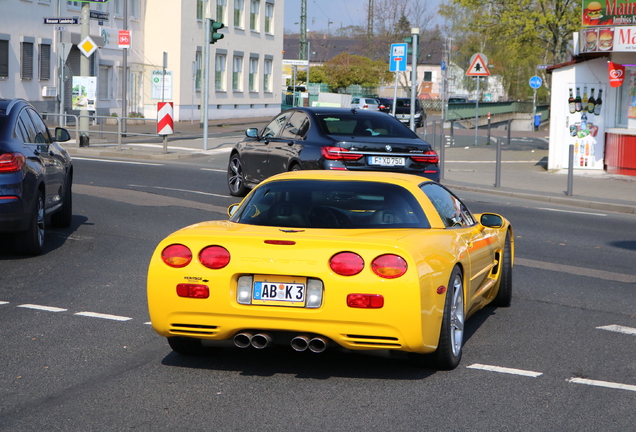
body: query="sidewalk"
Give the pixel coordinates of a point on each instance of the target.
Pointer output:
(466, 167)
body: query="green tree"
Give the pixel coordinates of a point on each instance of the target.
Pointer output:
(347, 69)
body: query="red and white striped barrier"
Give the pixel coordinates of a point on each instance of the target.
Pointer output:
(165, 124)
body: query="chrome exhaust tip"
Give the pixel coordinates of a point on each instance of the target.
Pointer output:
(243, 340)
(318, 344)
(300, 343)
(261, 340)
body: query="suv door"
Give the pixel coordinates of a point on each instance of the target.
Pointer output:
(255, 153)
(288, 144)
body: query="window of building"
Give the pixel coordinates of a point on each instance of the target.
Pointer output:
(4, 57)
(267, 76)
(198, 61)
(219, 72)
(44, 62)
(103, 80)
(269, 18)
(428, 76)
(73, 4)
(238, 13)
(26, 60)
(237, 74)
(117, 7)
(134, 9)
(221, 5)
(253, 77)
(200, 10)
(254, 8)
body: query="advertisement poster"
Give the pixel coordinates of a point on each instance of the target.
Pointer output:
(161, 85)
(586, 130)
(608, 12)
(631, 108)
(84, 92)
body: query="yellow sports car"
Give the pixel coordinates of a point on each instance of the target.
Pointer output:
(314, 259)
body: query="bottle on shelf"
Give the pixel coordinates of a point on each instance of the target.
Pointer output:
(583, 120)
(577, 100)
(591, 102)
(571, 103)
(598, 102)
(584, 97)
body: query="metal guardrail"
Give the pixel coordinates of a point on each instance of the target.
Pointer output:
(97, 120)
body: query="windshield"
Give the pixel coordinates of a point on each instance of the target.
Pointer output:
(332, 204)
(361, 125)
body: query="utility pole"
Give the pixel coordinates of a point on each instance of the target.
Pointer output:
(206, 74)
(415, 33)
(84, 61)
(302, 53)
(124, 84)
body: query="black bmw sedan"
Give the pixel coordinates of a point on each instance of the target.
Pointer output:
(328, 138)
(36, 176)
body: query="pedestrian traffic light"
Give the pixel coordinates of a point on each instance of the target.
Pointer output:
(214, 28)
(409, 41)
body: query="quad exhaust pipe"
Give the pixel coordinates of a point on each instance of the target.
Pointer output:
(299, 343)
(317, 344)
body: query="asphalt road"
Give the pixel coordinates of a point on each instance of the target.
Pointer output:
(78, 353)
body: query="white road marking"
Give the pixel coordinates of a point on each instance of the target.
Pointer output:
(505, 370)
(148, 323)
(570, 211)
(104, 316)
(212, 169)
(578, 271)
(181, 190)
(619, 329)
(607, 384)
(116, 161)
(42, 308)
(3, 302)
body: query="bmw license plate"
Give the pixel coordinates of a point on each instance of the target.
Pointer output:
(386, 161)
(279, 290)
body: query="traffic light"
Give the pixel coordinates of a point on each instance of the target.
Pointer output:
(409, 41)
(214, 28)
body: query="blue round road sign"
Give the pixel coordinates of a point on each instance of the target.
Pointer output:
(536, 82)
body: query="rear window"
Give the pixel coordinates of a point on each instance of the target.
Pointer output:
(332, 204)
(361, 125)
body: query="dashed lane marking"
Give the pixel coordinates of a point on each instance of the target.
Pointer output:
(42, 308)
(570, 211)
(1, 302)
(505, 370)
(116, 161)
(103, 316)
(606, 384)
(579, 271)
(180, 190)
(619, 329)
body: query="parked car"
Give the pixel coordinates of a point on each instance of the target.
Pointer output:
(403, 111)
(328, 139)
(386, 104)
(36, 176)
(320, 259)
(365, 103)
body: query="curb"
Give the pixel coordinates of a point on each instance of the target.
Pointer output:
(619, 208)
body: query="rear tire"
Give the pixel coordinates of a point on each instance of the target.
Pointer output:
(449, 349)
(186, 346)
(504, 295)
(31, 241)
(236, 177)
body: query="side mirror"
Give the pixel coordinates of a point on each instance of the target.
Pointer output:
(251, 133)
(491, 220)
(61, 135)
(232, 209)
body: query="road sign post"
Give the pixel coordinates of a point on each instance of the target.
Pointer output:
(535, 82)
(478, 68)
(397, 64)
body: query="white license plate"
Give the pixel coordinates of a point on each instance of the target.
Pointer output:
(386, 160)
(279, 290)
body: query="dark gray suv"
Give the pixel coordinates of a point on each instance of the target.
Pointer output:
(36, 176)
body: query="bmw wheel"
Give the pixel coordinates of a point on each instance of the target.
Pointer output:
(31, 241)
(236, 177)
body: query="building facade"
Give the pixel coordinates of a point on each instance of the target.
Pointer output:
(38, 61)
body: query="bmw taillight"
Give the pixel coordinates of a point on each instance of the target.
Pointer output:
(429, 157)
(176, 255)
(11, 162)
(339, 153)
(346, 263)
(389, 266)
(214, 257)
(365, 301)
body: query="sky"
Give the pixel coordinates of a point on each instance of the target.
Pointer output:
(341, 13)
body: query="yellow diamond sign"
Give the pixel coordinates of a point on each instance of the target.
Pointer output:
(87, 46)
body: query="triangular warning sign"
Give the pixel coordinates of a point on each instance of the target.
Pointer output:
(478, 67)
